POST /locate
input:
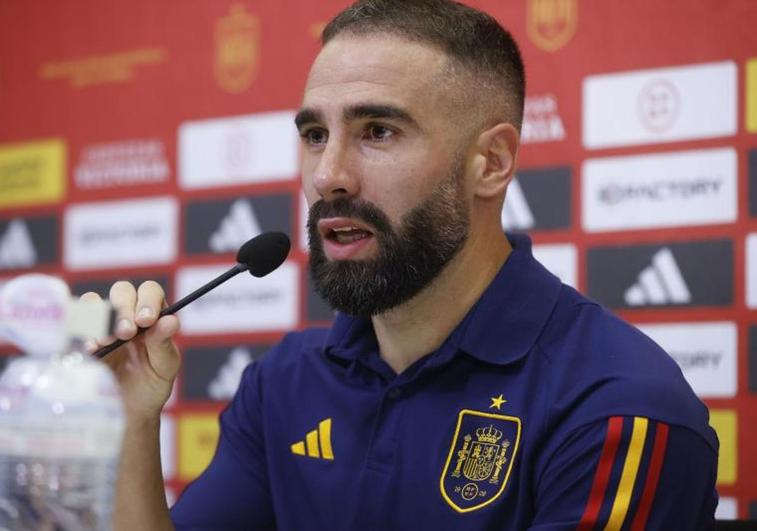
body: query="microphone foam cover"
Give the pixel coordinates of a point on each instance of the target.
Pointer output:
(264, 253)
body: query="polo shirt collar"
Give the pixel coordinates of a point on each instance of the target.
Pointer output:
(500, 328)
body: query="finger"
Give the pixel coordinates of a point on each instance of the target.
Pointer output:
(163, 356)
(150, 299)
(123, 297)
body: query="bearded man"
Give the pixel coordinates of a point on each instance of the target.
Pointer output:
(461, 386)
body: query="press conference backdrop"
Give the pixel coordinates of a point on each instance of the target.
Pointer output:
(149, 139)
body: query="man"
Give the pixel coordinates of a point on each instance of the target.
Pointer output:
(461, 385)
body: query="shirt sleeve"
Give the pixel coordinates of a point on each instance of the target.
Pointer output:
(233, 492)
(631, 473)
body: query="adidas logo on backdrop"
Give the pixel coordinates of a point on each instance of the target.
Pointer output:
(239, 225)
(659, 283)
(16, 247)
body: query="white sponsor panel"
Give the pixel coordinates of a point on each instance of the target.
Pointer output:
(727, 509)
(661, 190)
(243, 304)
(123, 163)
(238, 150)
(167, 446)
(751, 270)
(560, 259)
(659, 283)
(121, 233)
(660, 105)
(706, 353)
(541, 120)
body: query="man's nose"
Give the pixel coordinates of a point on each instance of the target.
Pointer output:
(334, 177)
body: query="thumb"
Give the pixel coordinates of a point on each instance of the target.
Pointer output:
(162, 354)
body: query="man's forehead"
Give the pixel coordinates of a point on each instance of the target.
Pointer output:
(375, 60)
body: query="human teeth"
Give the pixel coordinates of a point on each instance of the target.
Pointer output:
(346, 229)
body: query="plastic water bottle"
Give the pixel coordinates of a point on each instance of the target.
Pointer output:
(61, 416)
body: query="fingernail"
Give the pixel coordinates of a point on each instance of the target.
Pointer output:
(145, 313)
(124, 326)
(90, 346)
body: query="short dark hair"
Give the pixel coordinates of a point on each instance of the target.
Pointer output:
(472, 39)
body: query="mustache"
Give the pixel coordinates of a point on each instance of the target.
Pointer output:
(349, 208)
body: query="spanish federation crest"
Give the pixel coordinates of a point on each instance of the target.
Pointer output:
(480, 459)
(237, 38)
(551, 23)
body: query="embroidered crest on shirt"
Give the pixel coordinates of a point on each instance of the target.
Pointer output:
(480, 459)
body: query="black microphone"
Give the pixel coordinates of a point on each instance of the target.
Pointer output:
(260, 256)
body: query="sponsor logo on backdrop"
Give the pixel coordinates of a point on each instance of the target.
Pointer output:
(198, 438)
(661, 105)
(239, 150)
(659, 283)
(237, 49)
(751, 95)
(28, 242)
(223, 225)
(167, 446)
(551, 23)
(541, 120)
(706, 353)
(516, 214)
(121, 233)
(123, 163)
(725, 424)
(560, 259)
(539, 200)
(236, 228)
(751, 270)
(16, 247)
(214, 373)
(117, 67)
(753, 182)
(695, 273)
(32, 173)
(243, 304)
(670, 189)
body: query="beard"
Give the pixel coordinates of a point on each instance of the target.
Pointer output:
(409, 258)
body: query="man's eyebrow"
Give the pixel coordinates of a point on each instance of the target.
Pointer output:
(357, 112)
(305, 116)
(370, 110)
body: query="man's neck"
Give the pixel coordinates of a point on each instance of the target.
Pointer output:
(419, 326)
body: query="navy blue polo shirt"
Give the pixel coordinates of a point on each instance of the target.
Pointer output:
(541, 410)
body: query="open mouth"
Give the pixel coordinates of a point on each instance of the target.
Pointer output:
(347, 235)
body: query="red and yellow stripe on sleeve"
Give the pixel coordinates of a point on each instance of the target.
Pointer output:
(627, 474)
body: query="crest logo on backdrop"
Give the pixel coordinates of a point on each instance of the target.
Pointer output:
(551, 23)
(237, 52)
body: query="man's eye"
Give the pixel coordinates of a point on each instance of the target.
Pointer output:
(378, 133)
(315, 136)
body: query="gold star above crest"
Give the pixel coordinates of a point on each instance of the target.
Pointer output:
(497, 401)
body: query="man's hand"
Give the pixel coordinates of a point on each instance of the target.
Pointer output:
(146, 366)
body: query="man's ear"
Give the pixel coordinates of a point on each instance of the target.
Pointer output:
(498, 149)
